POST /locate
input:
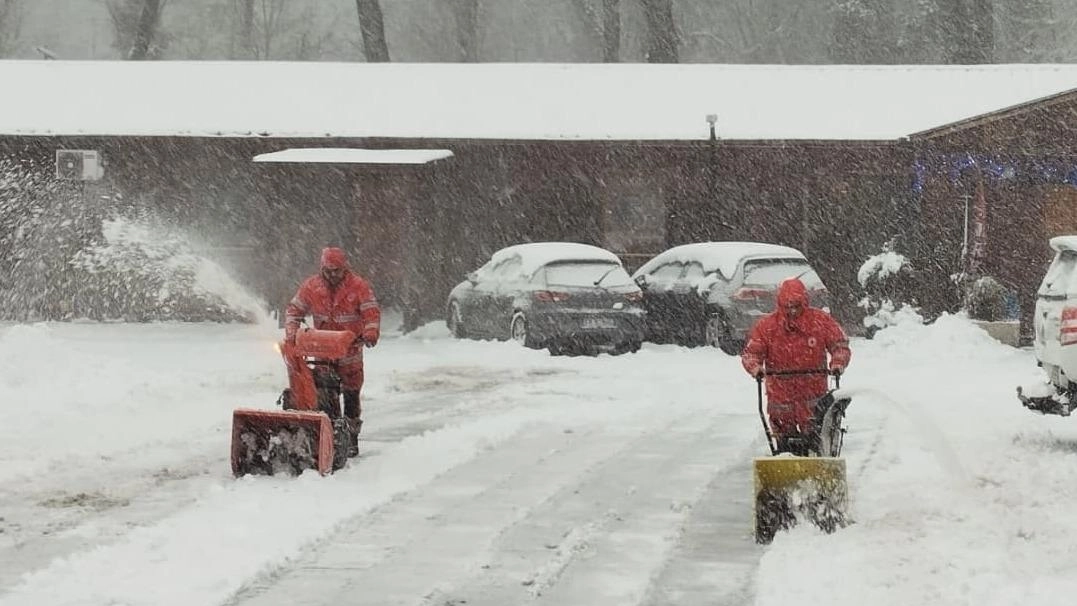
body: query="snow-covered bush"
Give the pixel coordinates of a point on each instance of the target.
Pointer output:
(67, 253)
(986, 299)
(889, 287)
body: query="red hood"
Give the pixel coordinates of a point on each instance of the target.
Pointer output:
(791, 291)
(334, 258)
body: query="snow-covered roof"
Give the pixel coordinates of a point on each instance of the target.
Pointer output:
(508, 101)
(718, 256)
(336, 155)
(1060, 243)
(536, 254)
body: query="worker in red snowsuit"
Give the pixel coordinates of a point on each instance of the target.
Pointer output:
(338, 299)
(795, 336)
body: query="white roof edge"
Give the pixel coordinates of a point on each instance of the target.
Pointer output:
(1067, 242)
(516, 101)
(338, 155)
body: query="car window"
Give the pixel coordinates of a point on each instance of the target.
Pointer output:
(667, 274)
(693, 272)
(770, 272)
(508, 271)
(586, 274)
(484, 272)
(1060, 275)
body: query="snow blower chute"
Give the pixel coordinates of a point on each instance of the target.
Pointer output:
(309, 432)
(804, 477)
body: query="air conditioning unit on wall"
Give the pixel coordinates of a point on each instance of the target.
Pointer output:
(79, 165)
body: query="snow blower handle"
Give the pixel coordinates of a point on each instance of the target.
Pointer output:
(813, 371)
(771, 442)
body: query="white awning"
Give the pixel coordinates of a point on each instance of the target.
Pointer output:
(338, 155)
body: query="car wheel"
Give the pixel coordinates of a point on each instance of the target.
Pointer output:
(520, 332)
(456, 321)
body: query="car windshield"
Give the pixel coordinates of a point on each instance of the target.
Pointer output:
(577, 273)
(1060, 275)
(770, 272)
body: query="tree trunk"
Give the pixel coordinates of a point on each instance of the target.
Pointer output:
(611, 31)
(466, 13)
(372, 27)
(246, 29)
(144, 33)
(969, 33)
(661, 31)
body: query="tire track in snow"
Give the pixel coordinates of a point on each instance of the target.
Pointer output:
(416, 548)
(715, 561)
(614, 529)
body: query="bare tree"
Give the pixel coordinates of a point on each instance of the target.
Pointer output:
(1028, 32)
(372, 28)
(136, 27)
(969, 31)
(10, 25)
(148, 20)
(864, 32)
(611, 31)
(466, 15)
(244, 10)
(662, 39)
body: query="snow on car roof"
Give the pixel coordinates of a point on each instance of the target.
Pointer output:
(1060, 243)
(508, 100)
(718, 256)
(536, 254)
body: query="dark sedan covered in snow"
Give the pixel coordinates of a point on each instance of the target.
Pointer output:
(712, 293)
(564, 296)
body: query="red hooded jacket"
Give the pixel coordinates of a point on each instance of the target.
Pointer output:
(348, 306)
(778, 342)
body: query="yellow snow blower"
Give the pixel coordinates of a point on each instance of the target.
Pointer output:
(804, 478)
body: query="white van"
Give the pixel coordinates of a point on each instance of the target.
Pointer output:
(1055, 331)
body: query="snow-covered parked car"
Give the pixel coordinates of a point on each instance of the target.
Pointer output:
(564, 296)
(1055, 333)
(712, 293)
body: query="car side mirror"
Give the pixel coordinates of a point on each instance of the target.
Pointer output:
(641, 280)
(472, 277)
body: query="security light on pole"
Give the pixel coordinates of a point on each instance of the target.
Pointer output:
(712, 119)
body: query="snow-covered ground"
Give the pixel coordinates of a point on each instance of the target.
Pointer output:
(497, 475)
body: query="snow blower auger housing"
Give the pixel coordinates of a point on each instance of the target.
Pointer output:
(805, 475)
(309, 433)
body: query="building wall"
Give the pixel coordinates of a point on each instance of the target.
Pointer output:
(415, 231)
(1022, 165)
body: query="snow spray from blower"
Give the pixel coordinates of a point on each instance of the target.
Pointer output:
(174, 252)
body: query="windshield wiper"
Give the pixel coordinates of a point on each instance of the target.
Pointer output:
(603, 277)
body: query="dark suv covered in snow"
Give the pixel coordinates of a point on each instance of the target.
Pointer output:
(712, 293)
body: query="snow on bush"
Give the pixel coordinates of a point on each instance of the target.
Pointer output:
(67, 252)
(985, 299)
(889, 291)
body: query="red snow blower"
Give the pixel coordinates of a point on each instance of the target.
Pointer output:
(310, 432)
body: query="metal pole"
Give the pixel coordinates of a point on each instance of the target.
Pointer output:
(763, 417)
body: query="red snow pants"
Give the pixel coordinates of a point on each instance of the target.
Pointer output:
(790, 418)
